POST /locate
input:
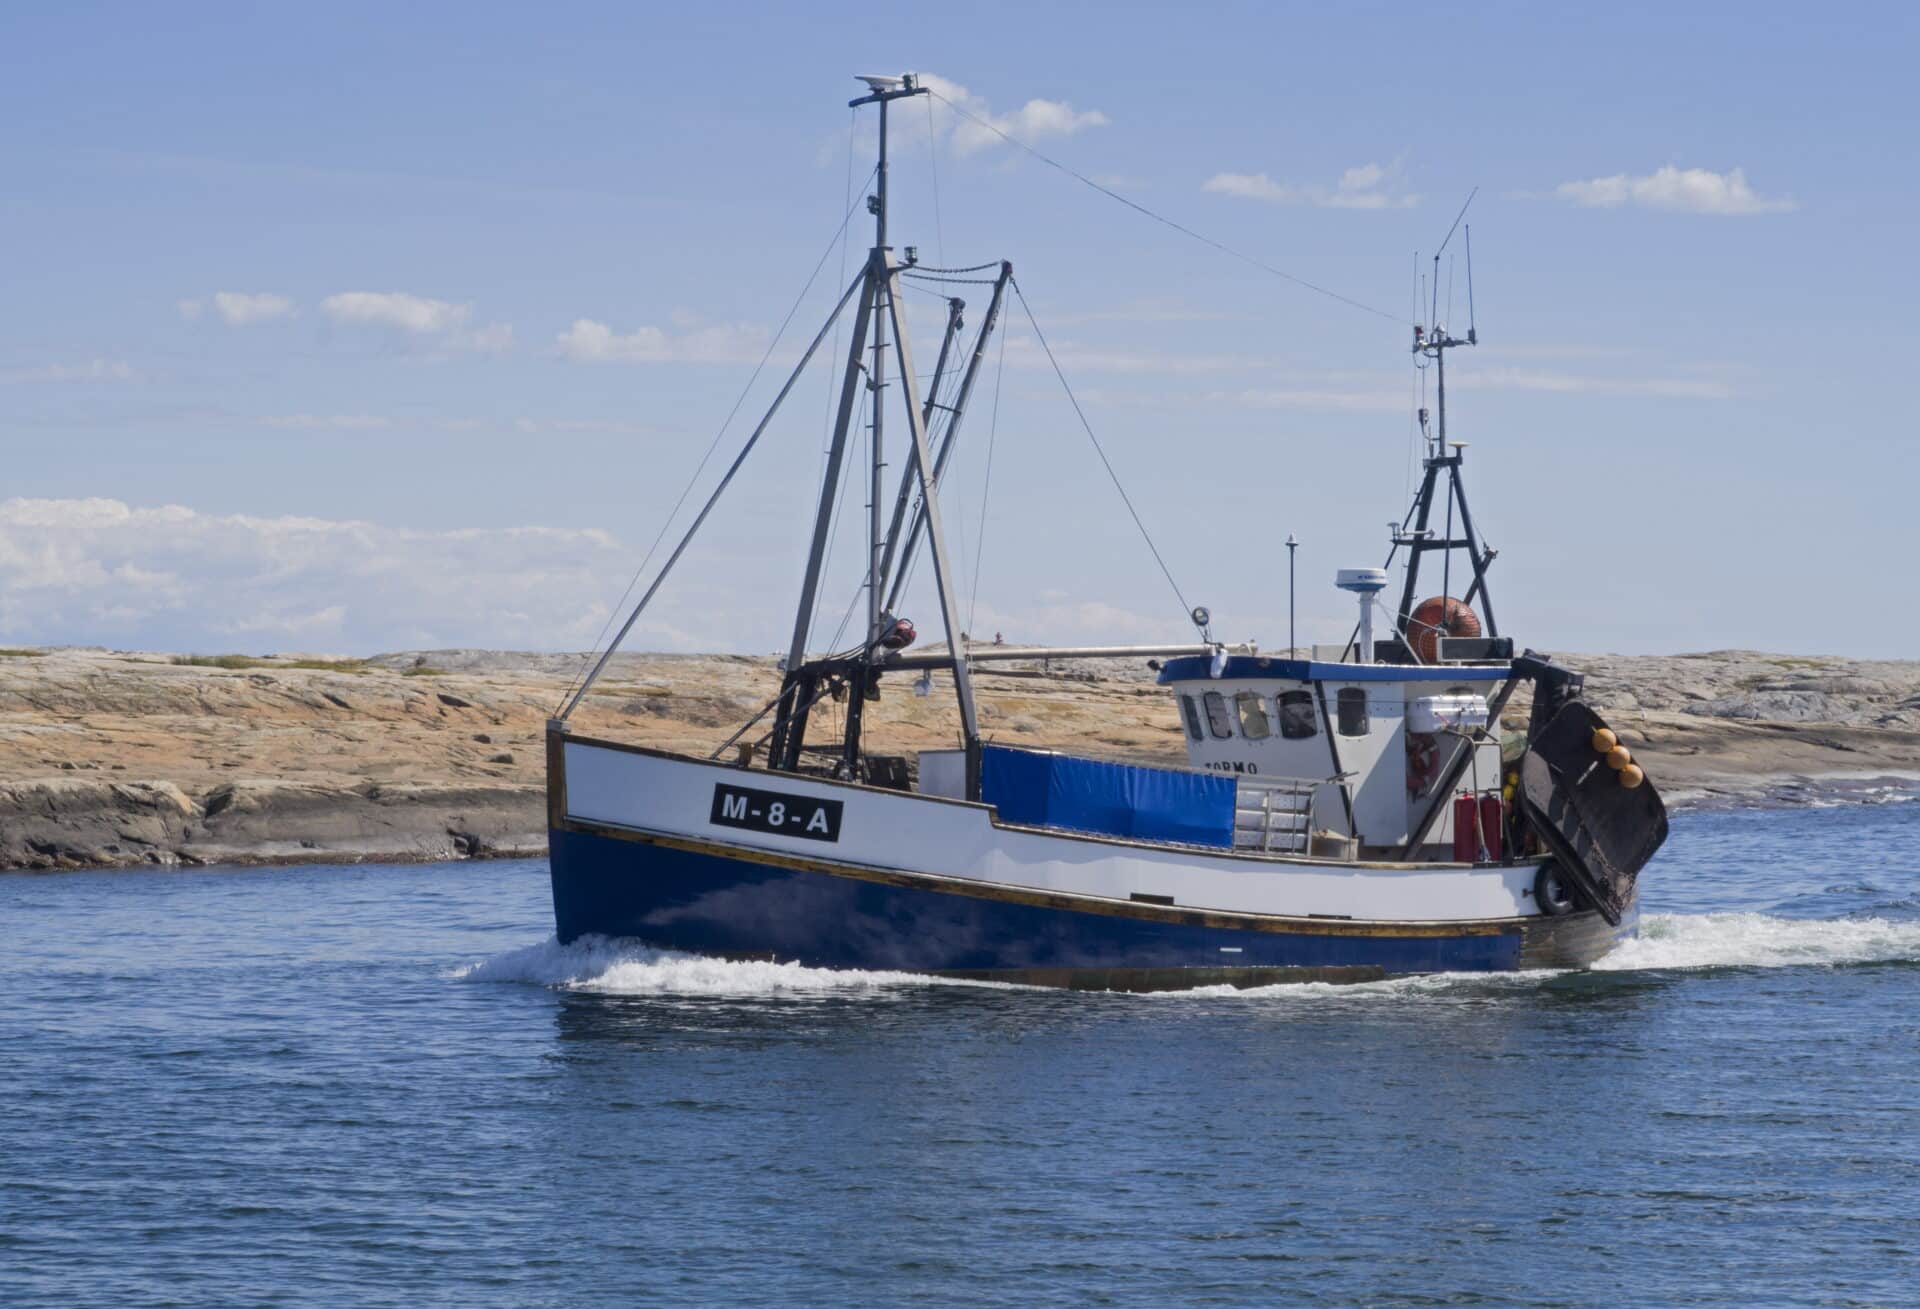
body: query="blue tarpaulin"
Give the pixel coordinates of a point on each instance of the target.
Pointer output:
(1042, 789)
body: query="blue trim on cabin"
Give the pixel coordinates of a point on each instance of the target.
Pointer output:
(714, 904)
(1043, 788)
(1199, 668)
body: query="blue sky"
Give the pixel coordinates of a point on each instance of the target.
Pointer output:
(364, 327)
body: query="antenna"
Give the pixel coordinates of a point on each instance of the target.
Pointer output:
(1431, 342)
(1473, 333)
(1293, 648)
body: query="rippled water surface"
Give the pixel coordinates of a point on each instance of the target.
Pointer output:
(376, 1085)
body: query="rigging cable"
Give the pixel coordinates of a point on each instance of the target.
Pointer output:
(986, 482)
(833, 376)
(914, 270)
(933, 164)
(1186, 611)
(1163, 220)
(713, 445)
(833, 532)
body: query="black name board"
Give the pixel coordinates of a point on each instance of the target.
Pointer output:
(775, 811)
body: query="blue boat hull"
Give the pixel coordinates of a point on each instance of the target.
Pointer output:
(680, 895)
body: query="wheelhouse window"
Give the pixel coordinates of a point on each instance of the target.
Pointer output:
(1253, 716)
(1191, 713)
(1298, 720)
(1219, 721)
(1353, 711)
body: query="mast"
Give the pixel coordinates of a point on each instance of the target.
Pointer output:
(1432, 343)
(856, 674)
(874, 294)
(877, 382)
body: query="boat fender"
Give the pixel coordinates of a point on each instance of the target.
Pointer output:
(1551, 891)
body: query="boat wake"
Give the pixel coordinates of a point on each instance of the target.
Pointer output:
(1667, 942)
(615, 967)
(1752, 940)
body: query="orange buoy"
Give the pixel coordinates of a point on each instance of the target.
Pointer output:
(1604, 740)
(1619, 758)
(1435, 618)
(1631, 776)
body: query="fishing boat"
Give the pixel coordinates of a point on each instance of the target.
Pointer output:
(1346, 813)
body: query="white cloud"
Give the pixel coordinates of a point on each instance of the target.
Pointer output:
(239, 308)
(94, 370)
(410, 313)
(493, 339)
(1683, 190)
(588, 341)
(169, 577)
(1033, 121)
(418, 315)
(1368, 186)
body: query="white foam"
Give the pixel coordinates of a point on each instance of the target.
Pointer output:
(1390, 988)
(1748, 940)
(613, 967)
(1666, 941)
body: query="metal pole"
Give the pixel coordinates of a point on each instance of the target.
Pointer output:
(879, 382)
(900, 499)
(714, 499)
(930, 501)
(823, 517)
(1446, 558)
(1045, 653)
(1293, 650)
(898, 570)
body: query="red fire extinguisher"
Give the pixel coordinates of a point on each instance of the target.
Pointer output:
(1476, 828)
(1466, 841)
(1492, 824)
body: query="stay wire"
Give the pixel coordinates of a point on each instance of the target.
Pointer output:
(986, 482)
(1186, 609)
(833, 534)
(1162, 219)
(933, 165)
(833, 376)
(705, 459)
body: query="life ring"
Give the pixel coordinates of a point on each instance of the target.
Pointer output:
(1552, 892)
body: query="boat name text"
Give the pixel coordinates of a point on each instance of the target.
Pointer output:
(775, 811)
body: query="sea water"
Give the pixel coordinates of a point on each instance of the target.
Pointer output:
(379, 1085)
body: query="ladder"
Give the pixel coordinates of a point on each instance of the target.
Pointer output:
(1273, 814)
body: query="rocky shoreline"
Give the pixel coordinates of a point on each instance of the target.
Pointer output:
(116, 758)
